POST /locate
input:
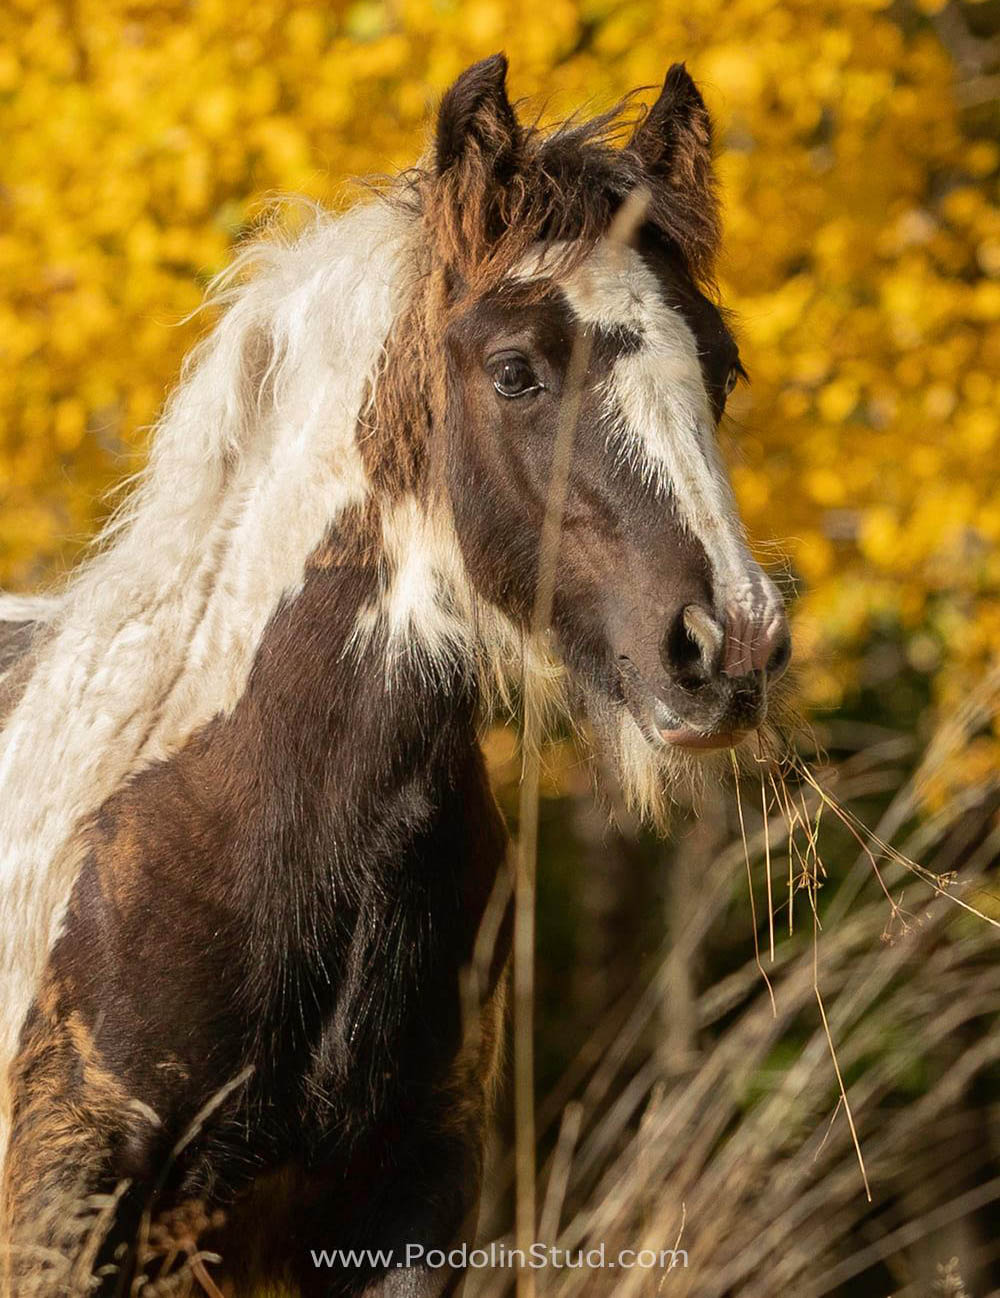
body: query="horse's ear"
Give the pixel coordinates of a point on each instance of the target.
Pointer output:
(673, 145)
(674, 140)
(476, 117)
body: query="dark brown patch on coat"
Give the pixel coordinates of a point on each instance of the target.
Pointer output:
(296, 894)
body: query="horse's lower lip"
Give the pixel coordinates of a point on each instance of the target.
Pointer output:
(685, 738)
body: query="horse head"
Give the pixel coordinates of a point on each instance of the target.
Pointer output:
(671, 632)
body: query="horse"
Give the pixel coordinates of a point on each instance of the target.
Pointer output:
(248, 835)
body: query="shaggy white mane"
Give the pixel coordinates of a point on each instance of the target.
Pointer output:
(254, 456)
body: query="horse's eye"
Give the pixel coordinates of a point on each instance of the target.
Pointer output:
(514, 377)
(736, 373)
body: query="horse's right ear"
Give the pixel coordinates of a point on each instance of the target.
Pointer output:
(674, 140)
(476, 119)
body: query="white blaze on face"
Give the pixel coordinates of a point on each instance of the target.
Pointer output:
(659, 402)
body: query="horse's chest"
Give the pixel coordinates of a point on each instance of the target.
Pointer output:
(324, 970)
(393, 1021)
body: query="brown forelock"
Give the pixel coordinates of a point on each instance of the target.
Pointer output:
(565, 186)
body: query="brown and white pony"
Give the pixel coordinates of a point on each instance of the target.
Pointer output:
(247, 833)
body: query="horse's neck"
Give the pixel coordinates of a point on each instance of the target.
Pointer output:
(335, 824)
(332, 764)
(350, 723)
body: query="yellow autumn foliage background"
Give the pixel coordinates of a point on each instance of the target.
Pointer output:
(858, 160)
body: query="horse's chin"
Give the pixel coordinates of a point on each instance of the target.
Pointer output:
(666, 734)
(638, 767)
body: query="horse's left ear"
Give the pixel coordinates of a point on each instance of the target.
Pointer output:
(674, 140)
(477, 151)
(476, 120)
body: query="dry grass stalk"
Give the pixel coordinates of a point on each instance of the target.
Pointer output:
(623, 227)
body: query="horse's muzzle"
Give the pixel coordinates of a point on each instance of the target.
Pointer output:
(713, 685)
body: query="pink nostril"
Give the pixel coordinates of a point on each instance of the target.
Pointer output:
(750, 647)
(705, 633)
(740, 635)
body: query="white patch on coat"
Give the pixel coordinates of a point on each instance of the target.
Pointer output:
(254, 457)
(430, 617)
(428, 603)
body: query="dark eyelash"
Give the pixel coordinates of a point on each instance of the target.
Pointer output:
(740, 369)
